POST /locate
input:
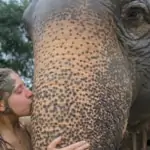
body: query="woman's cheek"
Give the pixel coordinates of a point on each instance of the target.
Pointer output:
(17, 104)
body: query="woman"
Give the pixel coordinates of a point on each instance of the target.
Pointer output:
(15, 102)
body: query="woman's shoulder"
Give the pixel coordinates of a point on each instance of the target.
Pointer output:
(26, 122)
(4, 145)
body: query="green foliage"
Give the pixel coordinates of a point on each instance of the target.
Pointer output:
(15, 46)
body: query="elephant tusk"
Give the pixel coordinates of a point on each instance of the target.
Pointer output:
(144, 138)
(134, 141)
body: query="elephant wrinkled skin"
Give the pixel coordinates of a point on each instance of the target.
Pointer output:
(92, 70)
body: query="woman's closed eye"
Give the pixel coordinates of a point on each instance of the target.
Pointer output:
(19, 89)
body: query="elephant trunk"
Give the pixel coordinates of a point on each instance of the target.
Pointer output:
(82, 82)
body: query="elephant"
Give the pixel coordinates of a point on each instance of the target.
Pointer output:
(91, 70)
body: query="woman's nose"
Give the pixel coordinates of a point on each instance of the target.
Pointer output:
(29, 93)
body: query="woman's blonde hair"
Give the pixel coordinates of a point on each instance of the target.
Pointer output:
(4, 75)
(6, 86)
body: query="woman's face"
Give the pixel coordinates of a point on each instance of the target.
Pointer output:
(21, 97)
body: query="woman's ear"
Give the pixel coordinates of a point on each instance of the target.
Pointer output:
(2, 107)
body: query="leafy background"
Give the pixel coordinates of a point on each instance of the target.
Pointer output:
(15, 46)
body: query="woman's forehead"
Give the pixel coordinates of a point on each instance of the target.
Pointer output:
(17, 79)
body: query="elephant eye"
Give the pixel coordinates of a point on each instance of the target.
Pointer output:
(135, 14)
(135, 18)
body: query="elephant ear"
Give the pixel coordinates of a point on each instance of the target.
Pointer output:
(28, 16)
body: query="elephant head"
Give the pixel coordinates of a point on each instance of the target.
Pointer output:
(92, 63)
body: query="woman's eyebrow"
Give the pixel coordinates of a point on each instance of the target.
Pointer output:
(17, 86)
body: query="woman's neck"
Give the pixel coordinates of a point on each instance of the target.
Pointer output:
(8, 122)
